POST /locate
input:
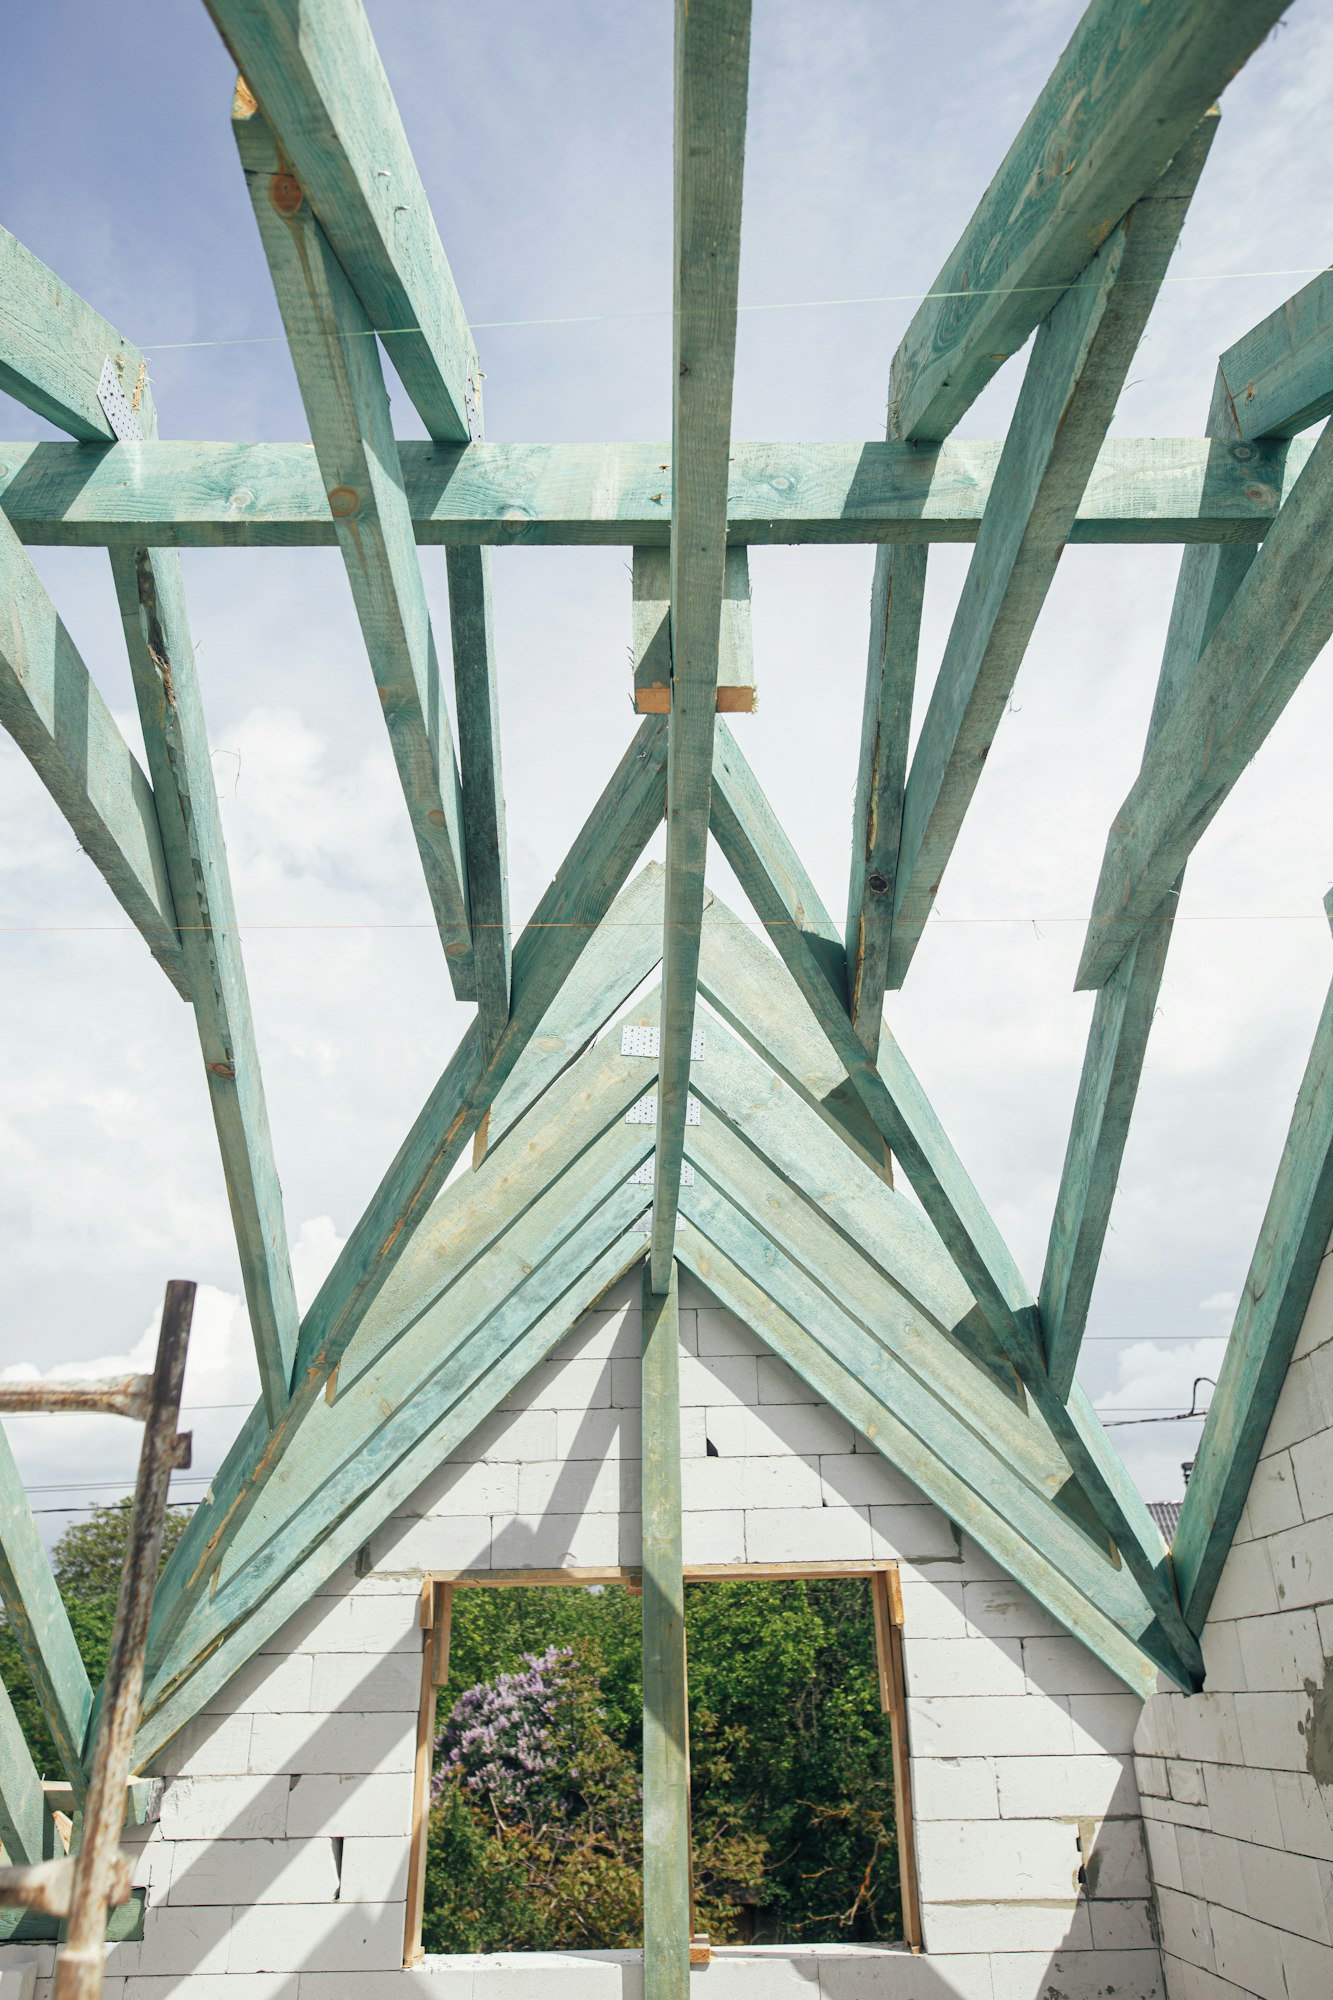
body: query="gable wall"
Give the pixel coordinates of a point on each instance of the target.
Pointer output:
(1237, 1782)
(278, 1865)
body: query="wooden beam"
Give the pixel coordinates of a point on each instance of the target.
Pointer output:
(347, 405)
(651, 574)
(1125, 95)
(547, 951)
(1276, 625)
(36, 1615)
(666, 1745)
(27, 1830)
(314, 68)
(1293, 1243)
(877, 818)
(1142, 490)
(151, 597)
(1126, 1006)
(477, 699)
(51, 707)
(169, 1707)
(712, 56)
(1279, 377)
(53, 347)
(1080, 359)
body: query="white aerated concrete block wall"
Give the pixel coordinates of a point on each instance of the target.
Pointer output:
(279, 1864)
(1237, 1782)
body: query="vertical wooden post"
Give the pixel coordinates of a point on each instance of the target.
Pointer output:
(435, 1616)
(666, 1758)
(888, 1600)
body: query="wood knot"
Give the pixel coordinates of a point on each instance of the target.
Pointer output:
(343, 502)
(285, 193)
(224, 1069)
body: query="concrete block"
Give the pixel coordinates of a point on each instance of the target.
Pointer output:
(625, 1390)
(1191, 1982)
(265, 1685)
(1273, 1730)
(964, 1667)
(599, 1336)
(1072, 1788)
(352, 1681)
(1243, 1803)
(723, 1378)
(508, 1438)
(1206, 1728)
(1079, 1975)
(1103, 1722)
(224, 1809)
(932, 1610)
(780, 1384)
(713, 1538)
(1151, 1776)
(941, 1727)
(720, 1332)
(1155, 1734)
(1287, 1890)
(343, 1742)
(863, 1479)
(207, 1986)
(1163, 1855)
(434, 1541)
(783, 1481)
(1300, 1411)
(1185, 1782)
(379, 1804)
(1115, 1863)
(808, 1429)
(713, 1485)
(339, 1937)
(565, 1385)
(1246, 1589)
(1281, 1653)
(364, 1621)
(213, 1746)
(1312, 1470)
(955, 1788)
(253, 1871)
(693, 1434)
(602, 1433)
(863, 1974)
(916, 1534)
(1065, 1666)
(1007, 1927)
(1006, 1860)
(1123, 1926)
(1248, 1953)
(629, 1541)
(1273, 1501)
(487, 1486)
(1317, 1326)
(1224, 1670)
(373, 1870)
(1185, 1930)
(1212, 1868)
(186, 1940)
(1002, 1609)
(1307, 1967)
(579, 1486)
(814, 1534)
(556, 1541)
(1305, 1814)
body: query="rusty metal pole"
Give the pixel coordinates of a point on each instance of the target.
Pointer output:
(81, 1958)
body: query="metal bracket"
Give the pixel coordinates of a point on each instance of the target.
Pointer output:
(117, 408)
(647, 1042)
(645, 1111)
(643, 1177)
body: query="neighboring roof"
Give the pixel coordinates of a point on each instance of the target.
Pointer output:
(1166, 1513)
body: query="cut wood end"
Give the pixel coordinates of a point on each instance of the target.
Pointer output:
(654, 700)
(737, 701)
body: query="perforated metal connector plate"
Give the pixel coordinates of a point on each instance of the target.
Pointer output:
(645, 1111)
(116, 406)
(648, 1042)
(644, 1175)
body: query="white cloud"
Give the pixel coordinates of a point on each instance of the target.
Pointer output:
(1218, 1302)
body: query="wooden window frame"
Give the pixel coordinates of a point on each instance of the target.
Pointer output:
(435, 1617)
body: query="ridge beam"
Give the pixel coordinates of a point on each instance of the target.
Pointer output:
(712, 60)
(1073, 381)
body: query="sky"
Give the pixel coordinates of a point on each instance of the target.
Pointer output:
(542, 131)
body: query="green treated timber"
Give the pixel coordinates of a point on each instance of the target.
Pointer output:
(1293, 1243)
(27, 1830)
(870, 1405)
(166, 1711)
(316, 72)
(352, 1443)
(477, 706)
(36, 1615)
(347, 405)
(712, 62)
(650, 574)
(53, 348)
(593, 873)
(208, 495)
(1275, 626)
(151, 598)
(666, 1749)
(1132, 85)
(1126, 1005)
(52, 709)
(1279, 377)
(785, 900)
(1073, 381)
(877, 816)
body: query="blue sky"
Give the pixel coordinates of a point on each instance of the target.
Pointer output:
(543, 135)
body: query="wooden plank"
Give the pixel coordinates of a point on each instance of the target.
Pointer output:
(1293, 1242)
(51, 707)
(36, 1615)
(651, 583)
(1073, 381)
(666, 1744)
(960, 1474)
(1277, 623)
(1126, 1005)
(151, 597)
(347, 406)
(877, 817)
(421, 1768)
(712, 61)
(314, 67)
(477, 696)
(170, 1707)
(53, 347)
(1125, 95)
(27, 1830)
(889, 1650)
(1279, 377)
(1142, 490)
